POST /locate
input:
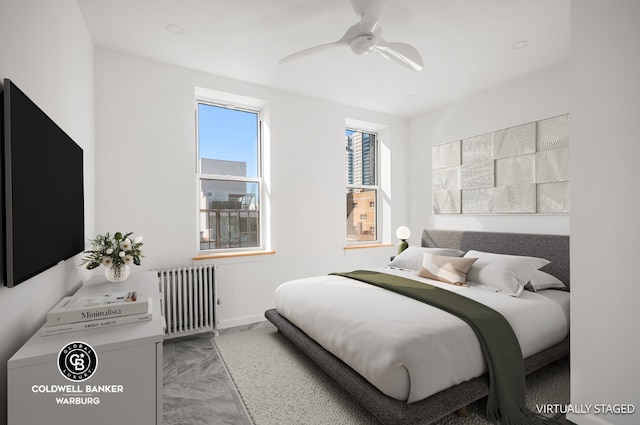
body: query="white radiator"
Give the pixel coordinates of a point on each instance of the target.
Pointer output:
(188, 299)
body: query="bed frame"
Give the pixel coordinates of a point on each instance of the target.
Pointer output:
(554, 248)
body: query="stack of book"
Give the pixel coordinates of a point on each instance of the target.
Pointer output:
(82, 312)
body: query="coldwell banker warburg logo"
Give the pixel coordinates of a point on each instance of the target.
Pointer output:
(77, 361)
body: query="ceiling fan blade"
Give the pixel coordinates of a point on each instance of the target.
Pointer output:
(368, 8)
(353, 31)
(401, 53)
(310, 51)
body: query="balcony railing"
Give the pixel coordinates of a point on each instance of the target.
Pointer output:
(229, 228)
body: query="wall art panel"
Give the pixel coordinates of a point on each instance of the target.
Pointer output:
(446, 178)
(553, 133)
(447, 155)
(477, 175)
(552, 166)
(477, 201)
(514, 199)
(446, 202)
(553, 198)
(514, 141)
(518, 170)
(446, 190)
(475, 149)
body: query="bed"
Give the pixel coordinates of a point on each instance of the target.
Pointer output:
(406, 392)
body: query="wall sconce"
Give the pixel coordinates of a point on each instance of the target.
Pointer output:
(403, 233)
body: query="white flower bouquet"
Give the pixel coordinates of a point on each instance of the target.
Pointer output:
(116, 250)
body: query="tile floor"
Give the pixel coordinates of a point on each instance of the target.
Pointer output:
(197, 387)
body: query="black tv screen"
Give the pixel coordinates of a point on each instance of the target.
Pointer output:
(43, 189)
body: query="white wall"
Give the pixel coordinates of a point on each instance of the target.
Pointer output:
(605, 131)
(145, 175)
(539, 95)
(47, 52)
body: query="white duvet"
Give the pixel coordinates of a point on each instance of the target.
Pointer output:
(408, 349)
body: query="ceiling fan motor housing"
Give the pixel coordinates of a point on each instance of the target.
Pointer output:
(363, 44)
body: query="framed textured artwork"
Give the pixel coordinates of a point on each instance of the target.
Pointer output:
(518, 170)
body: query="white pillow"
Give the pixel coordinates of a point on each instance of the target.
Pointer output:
(446, 268)
(542, 280)
(411, 258)
(506, 273)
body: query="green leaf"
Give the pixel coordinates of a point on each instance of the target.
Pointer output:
(92, 265)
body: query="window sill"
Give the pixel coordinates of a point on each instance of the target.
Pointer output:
(367, 246)
(231, 255)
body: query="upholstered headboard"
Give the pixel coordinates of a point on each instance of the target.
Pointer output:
(554, 248)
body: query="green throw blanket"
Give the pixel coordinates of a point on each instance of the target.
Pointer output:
(501, 349)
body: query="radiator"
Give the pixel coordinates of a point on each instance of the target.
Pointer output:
(188, 299)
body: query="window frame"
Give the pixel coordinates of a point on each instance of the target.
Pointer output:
(259, 179)
(376, 187)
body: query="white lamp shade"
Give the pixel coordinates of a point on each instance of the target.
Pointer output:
(403, 233)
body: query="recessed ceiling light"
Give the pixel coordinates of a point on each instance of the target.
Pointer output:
(176, 29)
(520, 44)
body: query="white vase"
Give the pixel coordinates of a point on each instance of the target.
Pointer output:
(117, 272)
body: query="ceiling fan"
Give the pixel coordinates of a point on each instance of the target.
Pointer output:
(366, 36)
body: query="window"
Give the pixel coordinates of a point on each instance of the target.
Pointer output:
(362, 185)
(229, 174)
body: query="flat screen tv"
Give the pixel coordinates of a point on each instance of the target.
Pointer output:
(43, 189)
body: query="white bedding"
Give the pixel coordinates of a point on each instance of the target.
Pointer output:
(408, 349)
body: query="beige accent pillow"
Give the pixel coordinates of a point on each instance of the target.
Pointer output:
(411, 258)
(446, 269)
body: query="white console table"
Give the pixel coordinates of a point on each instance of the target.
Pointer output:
(126, 387)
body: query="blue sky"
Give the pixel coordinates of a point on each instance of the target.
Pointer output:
(228, 134)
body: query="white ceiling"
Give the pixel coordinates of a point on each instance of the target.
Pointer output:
(466, 45)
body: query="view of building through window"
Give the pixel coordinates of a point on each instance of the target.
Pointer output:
(230, 177)
(362, 190)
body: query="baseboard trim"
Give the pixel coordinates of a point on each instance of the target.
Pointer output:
(240, 321)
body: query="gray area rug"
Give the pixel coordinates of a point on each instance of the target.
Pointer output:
(280, 386)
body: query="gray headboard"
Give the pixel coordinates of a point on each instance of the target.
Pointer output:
(554, 248)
